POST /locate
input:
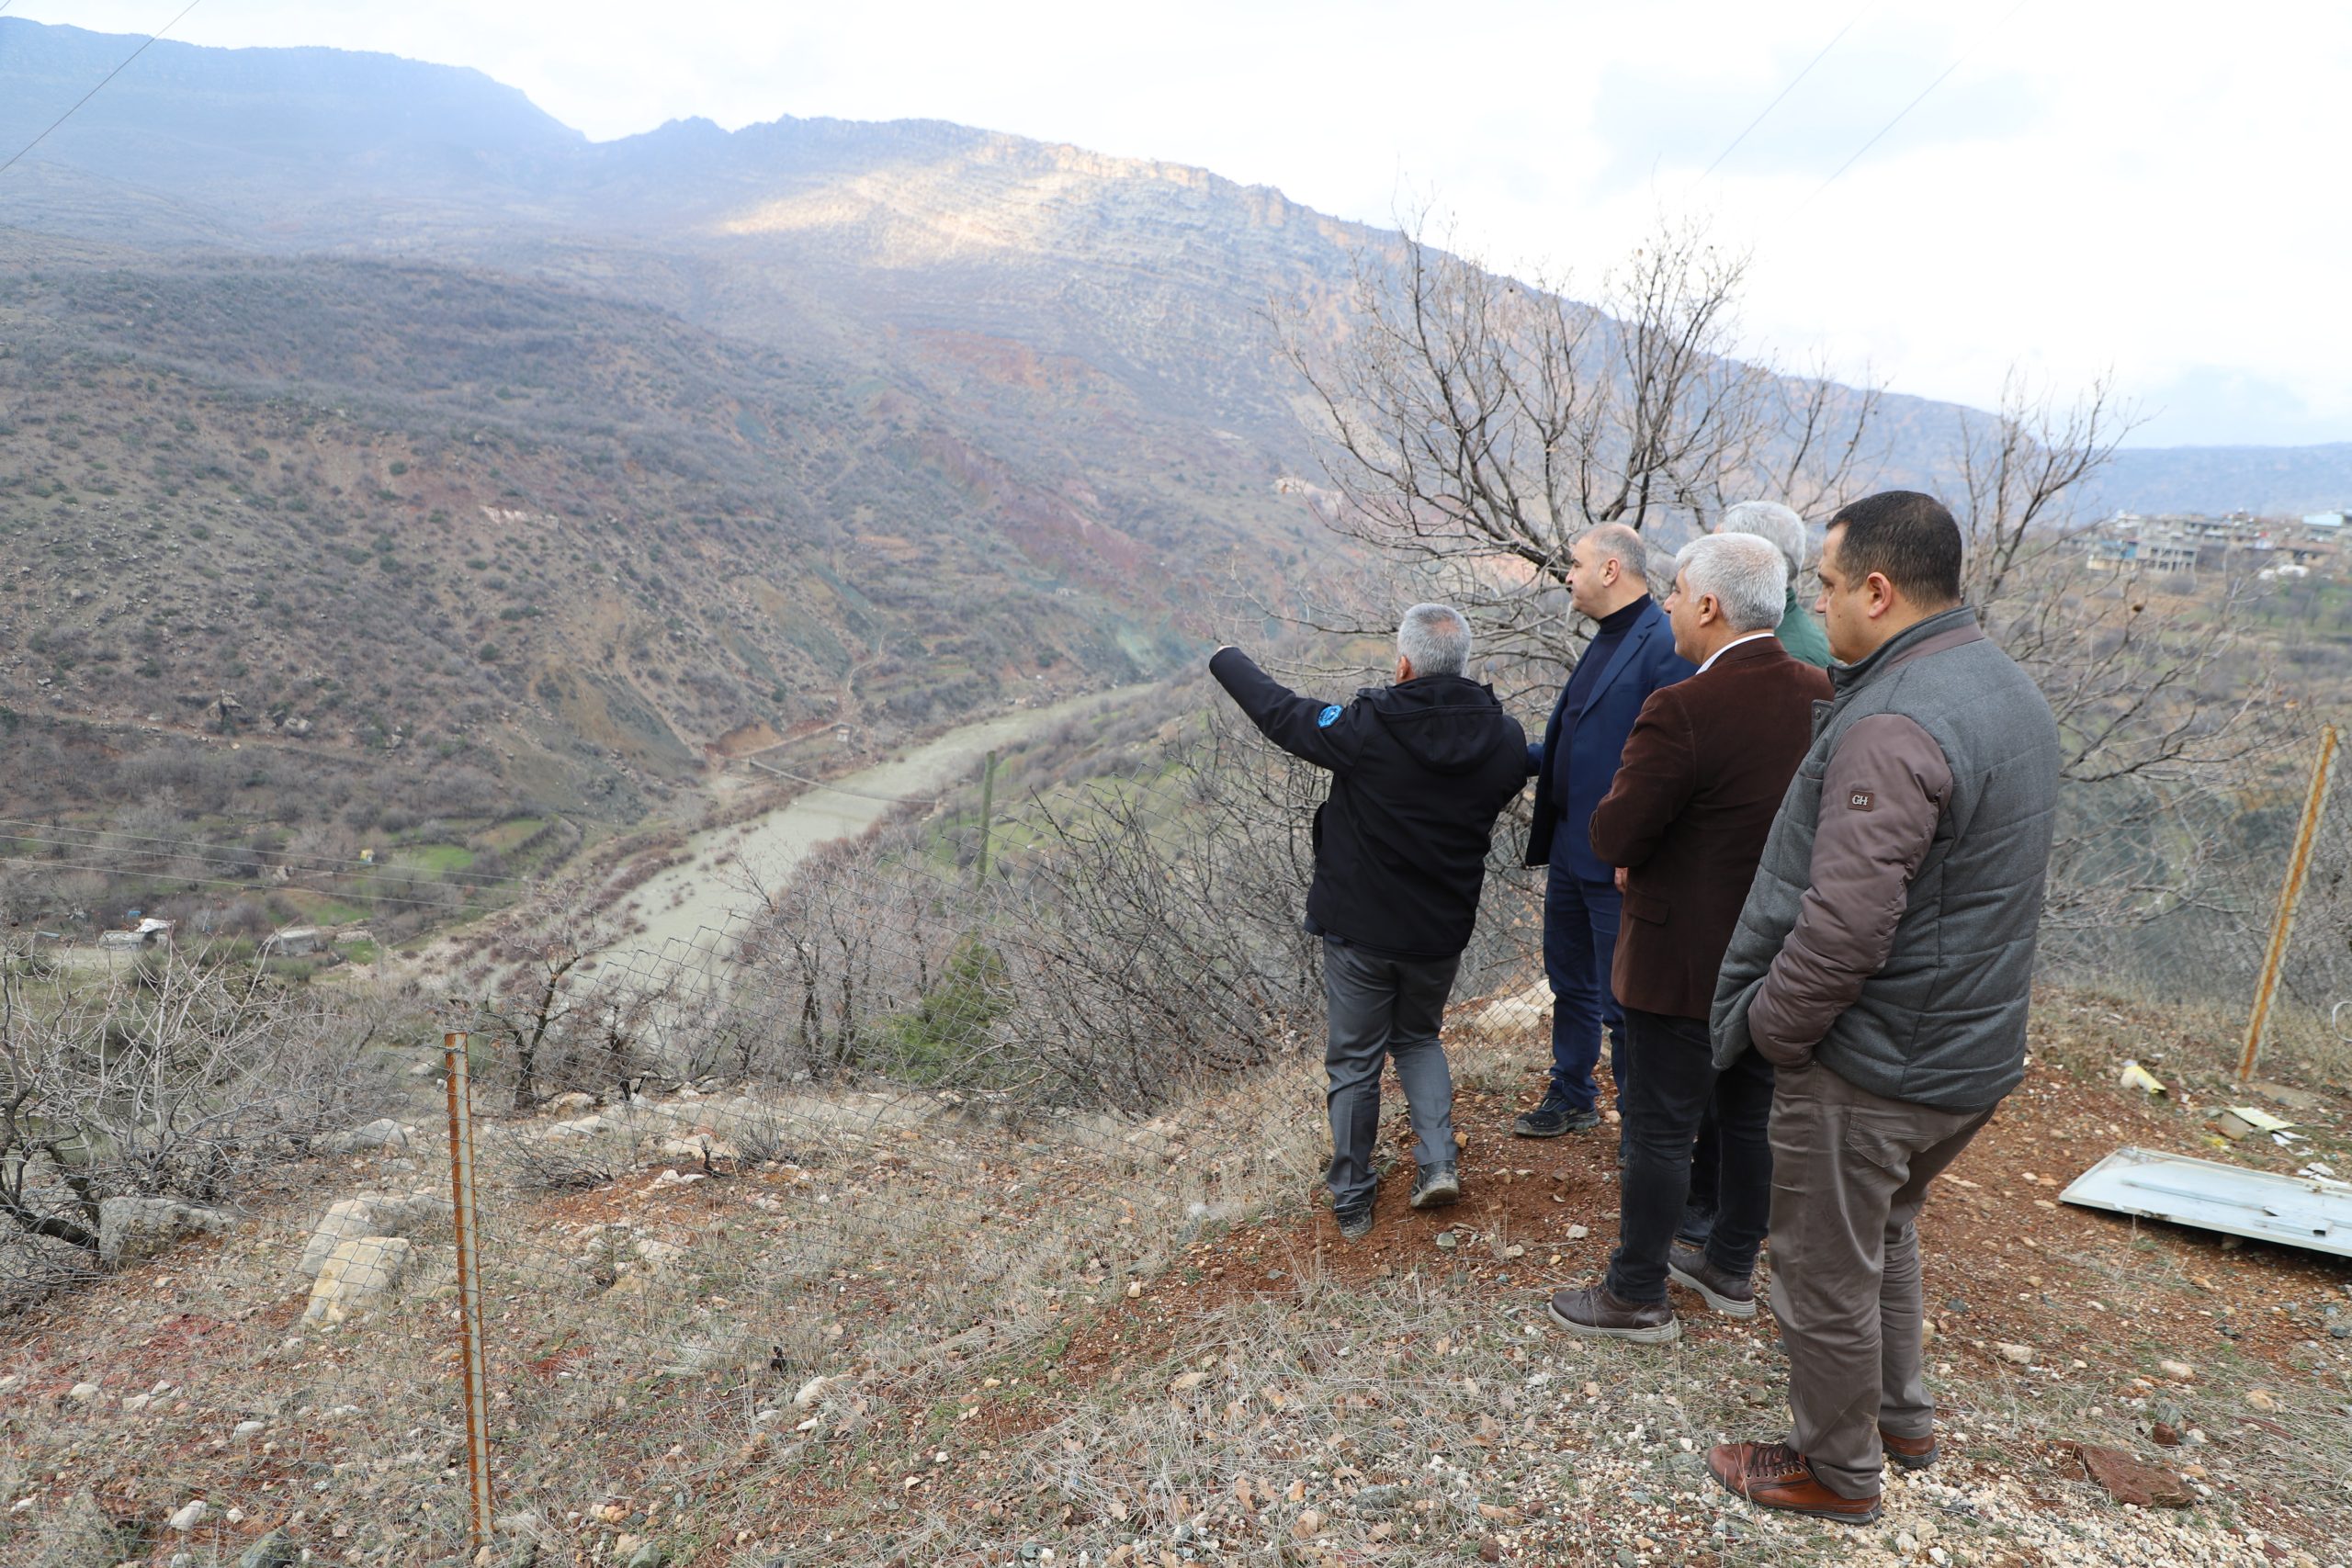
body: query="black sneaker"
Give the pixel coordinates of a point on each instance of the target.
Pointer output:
(1354, 1223)
(1553, 1117)
(1437, 1185)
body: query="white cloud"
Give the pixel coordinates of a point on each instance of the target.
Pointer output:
(2152, 188)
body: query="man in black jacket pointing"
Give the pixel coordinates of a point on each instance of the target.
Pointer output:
(1419, 771)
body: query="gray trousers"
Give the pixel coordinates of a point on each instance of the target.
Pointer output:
(1849, 1172)
(1383, 1008)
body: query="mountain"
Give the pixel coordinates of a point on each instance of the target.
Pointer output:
(2270, 481)
(364, 393)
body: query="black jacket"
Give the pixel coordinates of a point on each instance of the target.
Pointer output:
(1419, 773)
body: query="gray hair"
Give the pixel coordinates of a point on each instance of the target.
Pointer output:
(1769, 520)
(1745, 574)
(1436, 638)
(1622, 542)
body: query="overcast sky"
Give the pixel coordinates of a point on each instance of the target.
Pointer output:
(2154, 189)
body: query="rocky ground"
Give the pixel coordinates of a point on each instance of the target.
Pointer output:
(874, 1329)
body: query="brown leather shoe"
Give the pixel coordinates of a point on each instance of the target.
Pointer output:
(1688, 1266)
(1596, 1312)
(1910, 1453)
(1774, 1475)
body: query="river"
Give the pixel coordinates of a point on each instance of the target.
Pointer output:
(700, 904)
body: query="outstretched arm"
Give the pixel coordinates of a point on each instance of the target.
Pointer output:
(1321, 733)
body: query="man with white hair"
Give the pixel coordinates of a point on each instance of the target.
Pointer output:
(1799, 632)
(1420, 770)
(1703, 772)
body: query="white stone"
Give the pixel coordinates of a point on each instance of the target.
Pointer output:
(130, 1229)
(810, 1391)
(355, 1273)
(84, 1392)
(370, 1214)
(696, 1149)
(570, 1103)
(247, 1428)
(137, 1403)
(1512, 1014)
(583, 1127)
(189, 1516)
(381, 1133)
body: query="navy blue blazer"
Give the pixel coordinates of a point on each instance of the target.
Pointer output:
(1595, 737)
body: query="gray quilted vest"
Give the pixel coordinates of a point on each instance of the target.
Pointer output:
(1943, 1024)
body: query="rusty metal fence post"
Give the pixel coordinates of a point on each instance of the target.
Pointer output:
(2290, 892)
(469, 1326)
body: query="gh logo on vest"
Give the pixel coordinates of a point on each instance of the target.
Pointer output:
(1860, 800)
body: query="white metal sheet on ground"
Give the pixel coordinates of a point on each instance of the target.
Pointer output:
(2293, 1211)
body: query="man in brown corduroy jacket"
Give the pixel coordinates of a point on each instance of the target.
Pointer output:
(1702, 774)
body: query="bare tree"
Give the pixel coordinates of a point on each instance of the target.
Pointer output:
(172, 1079)
(541, 994)
(1475, 423)
(2126, 664)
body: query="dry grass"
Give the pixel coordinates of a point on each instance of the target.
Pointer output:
(960, 1288)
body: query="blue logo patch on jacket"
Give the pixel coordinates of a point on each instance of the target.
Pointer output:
(1325, 719)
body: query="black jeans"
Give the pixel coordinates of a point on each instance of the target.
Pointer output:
(1672, 1083)
(1707, 1168)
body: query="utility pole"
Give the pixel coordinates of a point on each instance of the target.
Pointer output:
(988, 814)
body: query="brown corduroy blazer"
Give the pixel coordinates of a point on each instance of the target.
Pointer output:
(1703, 772)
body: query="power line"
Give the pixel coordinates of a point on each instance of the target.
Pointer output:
(234, 860)
(93, 838)
(842, 789)
(1784, 92)
(93, 93)
(1957, 62)
(201, 881)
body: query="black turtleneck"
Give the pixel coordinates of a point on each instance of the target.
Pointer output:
(1606, 639)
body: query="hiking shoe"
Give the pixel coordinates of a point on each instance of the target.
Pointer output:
(1908, 1453)
(1553, 1117)
(1774, 1475)
(1437, 1185)
(1354, 1223)
(1733, 1296)
(1595, 1313)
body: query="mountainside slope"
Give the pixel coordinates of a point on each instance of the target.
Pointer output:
(569, 543)
(752, 433)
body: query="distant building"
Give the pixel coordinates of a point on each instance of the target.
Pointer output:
(148, 933)
(2330, 520)
(2153, 546)
(294, 941)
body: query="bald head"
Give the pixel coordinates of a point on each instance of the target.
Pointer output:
(1608, 570)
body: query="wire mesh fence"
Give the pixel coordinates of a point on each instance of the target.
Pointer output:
(2168, 888)
(746, 1197)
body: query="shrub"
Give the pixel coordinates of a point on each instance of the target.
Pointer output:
(179, 1077)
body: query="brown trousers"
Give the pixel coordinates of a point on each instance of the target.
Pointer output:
(1849, 1172)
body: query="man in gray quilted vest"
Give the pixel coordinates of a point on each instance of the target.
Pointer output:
(1883, 964)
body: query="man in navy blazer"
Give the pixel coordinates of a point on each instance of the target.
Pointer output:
(1632, 655)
